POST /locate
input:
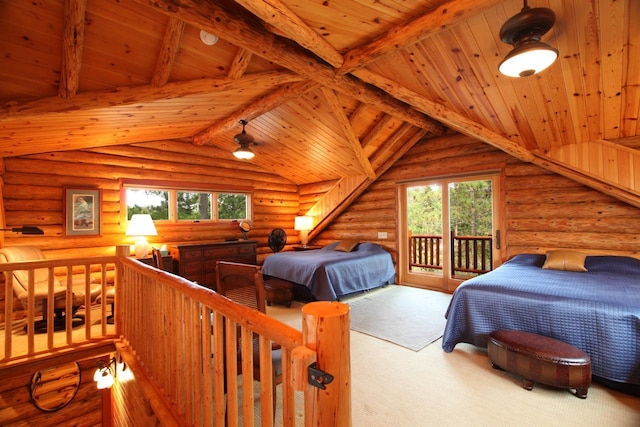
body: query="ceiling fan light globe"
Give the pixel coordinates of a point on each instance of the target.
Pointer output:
(527, 59)
(243, 153)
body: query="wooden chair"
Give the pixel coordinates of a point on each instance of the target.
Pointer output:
(157, 258)
(243, 284)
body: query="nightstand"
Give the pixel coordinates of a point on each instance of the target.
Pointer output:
(305, 248)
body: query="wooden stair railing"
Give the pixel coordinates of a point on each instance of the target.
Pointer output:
(184, 337)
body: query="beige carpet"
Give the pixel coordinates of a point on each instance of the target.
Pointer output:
(395, 386)
(410, 317)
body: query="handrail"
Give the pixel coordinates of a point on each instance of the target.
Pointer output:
(186, 338)
(469, 254)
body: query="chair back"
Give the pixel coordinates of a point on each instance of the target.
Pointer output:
(21, 277)
(157, 258)
(241, 283)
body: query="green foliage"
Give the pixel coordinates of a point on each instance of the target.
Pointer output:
(424, 210)
(232, 206)
(193, 205)
(157, 212)
(470, 208)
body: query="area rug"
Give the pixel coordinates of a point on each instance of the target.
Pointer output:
(406, 316)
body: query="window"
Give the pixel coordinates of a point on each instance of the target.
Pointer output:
(176, 204)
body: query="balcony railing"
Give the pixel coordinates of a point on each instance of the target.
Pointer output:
(469, 254)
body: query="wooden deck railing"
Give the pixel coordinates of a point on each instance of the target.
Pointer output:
(469, 254)
(20, 340)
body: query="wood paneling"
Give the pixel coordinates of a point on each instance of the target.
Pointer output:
(17, 409)
(33, 194)
(543, 210)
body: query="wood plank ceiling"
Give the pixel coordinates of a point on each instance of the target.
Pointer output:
(332, 89)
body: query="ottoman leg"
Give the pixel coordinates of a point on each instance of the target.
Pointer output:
(582, 393)
(528, 384)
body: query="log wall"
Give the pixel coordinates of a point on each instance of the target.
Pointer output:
(543, 210)
(34, 187)
(16, 408)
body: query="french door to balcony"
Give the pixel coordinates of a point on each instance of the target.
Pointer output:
(448, 230)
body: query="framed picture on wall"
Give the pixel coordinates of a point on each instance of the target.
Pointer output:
(82, 212)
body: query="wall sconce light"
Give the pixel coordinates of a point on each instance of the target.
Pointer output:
(524, 31)
(25, 229)
(303, 224)
(104, 374)
(107, 371)
(141, 225)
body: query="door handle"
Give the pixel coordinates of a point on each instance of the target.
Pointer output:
(497, 239)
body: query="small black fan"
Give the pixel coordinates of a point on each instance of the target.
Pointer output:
(277, 239)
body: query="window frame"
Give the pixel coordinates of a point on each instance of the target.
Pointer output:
(173, 187)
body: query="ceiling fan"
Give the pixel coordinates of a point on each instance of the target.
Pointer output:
(244, 140)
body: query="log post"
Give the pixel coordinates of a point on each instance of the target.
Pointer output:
(325, 329)
(121, 251)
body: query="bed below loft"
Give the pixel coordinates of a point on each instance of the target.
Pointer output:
(597, 310)
(333, 272)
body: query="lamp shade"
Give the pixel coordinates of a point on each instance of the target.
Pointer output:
(527, 59)
(523, 31)
(243, 153)
(303, 223)
(141, 225)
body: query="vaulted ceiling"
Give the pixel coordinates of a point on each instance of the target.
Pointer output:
(332, 89)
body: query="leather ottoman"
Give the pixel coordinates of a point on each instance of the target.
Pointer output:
(278, 291)
(540, 359)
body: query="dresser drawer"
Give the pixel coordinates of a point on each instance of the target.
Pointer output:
(197, 262)
(247, 250)
(220, 253)
(191, 267)
(188, 254)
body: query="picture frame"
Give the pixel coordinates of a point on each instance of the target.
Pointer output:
(83, 212)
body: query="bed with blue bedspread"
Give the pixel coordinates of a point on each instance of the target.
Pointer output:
(330, 274)
(597, 311)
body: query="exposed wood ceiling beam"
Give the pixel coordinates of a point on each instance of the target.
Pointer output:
(240, 63)
(398, 144)
(255, 109)
(379, 126)
(72, 45)
(168, 52)
(414, 30)
(140, 94)
(348, 131)
(291, 26)
(450, 118)
(214, 17)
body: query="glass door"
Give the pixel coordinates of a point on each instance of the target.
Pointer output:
(448, 230)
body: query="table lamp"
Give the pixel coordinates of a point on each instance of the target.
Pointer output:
(141, 225)
(303, 224)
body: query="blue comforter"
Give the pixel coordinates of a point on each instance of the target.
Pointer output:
(597, 311)
(331, 274)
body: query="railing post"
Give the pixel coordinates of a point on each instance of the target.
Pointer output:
(325, 329)
(121, 251)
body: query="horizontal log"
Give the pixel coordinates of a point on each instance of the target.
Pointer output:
(592, 241)
(574, 225)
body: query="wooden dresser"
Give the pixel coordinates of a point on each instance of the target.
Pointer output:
(197, 262)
